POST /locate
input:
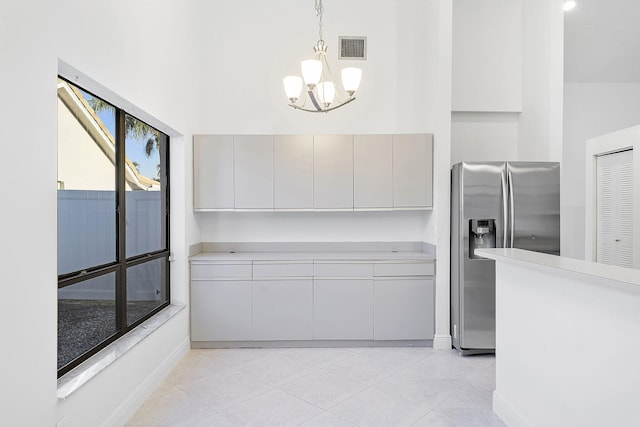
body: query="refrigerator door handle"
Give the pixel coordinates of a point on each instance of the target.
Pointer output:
(512, 214)
(505, 213)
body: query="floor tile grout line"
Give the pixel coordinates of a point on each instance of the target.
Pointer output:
(465, 372)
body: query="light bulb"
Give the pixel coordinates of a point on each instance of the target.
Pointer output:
(569, 5)
(292, 87)
(311, 72)
(351, 79)
(326, 93)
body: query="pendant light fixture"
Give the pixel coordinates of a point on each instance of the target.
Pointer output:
(318, 79)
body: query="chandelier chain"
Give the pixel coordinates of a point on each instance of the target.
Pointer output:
(319, 11)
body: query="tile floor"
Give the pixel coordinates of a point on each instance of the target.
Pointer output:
(324, 387)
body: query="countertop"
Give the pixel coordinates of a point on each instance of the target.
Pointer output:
(569, 265)
(313, 256)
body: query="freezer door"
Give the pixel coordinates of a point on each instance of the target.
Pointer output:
(534, 206)
(479, 191)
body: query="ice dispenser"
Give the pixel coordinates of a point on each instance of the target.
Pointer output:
(482, 234)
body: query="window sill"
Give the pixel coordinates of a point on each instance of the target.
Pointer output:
(78, 376)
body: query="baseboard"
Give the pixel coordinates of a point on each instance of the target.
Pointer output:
(442, 342)
(311, 344)
(126, 409)
(507, 413)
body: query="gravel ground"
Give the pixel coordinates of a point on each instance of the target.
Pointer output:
(84, 323)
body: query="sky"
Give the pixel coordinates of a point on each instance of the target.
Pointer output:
(147, 166)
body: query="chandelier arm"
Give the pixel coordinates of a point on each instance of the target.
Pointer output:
(298, 107)
(314, 100)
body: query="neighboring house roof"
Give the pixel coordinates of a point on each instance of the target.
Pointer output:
(80, 108)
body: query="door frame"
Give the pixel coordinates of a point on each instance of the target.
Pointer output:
(621, 140)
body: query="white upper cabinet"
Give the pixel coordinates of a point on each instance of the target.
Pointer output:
(213, 186)
(333, 172)
(372, 172)
(293, 172)
(306, 173)
(412, 171)
(253, 171)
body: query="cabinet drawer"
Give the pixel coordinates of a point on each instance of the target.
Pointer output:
(275, 269)
(221, 271)
(342, 269)
(389, 269)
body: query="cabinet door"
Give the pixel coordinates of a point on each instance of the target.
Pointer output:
(404, 309)
(412, 171)
(333, 172)
(282, 309)
(372, 172)
(221, 310)
(213, 182)
(343, 309)
(293, 171)
(253, 172)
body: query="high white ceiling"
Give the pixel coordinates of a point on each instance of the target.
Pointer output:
(602, 41)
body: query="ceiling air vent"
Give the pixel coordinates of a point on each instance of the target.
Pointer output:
(352, 47)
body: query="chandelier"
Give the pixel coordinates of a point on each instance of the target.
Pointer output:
(317, 77)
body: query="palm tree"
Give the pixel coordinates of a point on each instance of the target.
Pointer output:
(134, 128)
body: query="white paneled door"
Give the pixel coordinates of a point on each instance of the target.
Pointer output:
(614, 200)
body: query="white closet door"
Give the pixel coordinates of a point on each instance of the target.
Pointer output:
(614, 197)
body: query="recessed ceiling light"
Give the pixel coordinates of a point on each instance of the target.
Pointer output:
(569, 5)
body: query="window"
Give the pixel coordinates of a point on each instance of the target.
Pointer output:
(113, 227)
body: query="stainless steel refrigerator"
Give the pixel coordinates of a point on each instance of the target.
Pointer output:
(495, 205)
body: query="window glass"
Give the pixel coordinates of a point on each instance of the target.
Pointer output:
(146, 288)
(145, 182)
(86, 180)
(113, 230)
(86, 316)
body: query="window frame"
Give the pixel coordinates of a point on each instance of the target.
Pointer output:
(122, 263)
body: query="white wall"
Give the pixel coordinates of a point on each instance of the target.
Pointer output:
(28, 225)
(590, 110)
(139, 50)
(540, 127)
(507, 84)
(198, 67)
(487, 55)
(484, 136)
(393, 97)
(170, 61)
(405, 89)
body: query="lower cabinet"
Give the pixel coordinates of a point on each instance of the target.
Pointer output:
(282, 309)
(312, 300)
(221, 310)
(343, 309)
(403, 308)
